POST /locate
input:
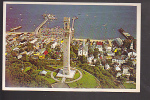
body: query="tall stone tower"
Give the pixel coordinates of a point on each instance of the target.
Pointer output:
(66, 46)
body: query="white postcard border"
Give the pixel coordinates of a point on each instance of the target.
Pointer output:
(138, 37)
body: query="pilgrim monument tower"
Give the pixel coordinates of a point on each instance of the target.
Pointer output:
(66, 46)
(66, 71)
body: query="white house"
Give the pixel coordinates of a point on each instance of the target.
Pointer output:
(42, 50)
(111, 54)
(16, 49)
(107, 66)
(80, 51)
(30, 53)
(43, 72)
(113, 60)
(131, 54)
(108, 48)
(118, 74)
(117, 68)
(83, 50)
(19, 56)
(37, 45)
(118, 60)
(54, 45)
(33, 41)
(99, 46)
(119, 41)
(89, 59)
(126, 71)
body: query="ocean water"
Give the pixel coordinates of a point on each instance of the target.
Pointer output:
(94, 22)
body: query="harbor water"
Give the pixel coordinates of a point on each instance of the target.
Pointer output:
(94, 22)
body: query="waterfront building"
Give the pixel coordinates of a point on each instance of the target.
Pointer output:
(99, 46)
(119, 41)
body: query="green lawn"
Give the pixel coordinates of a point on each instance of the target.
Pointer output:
(129, 86)
(76, 76)
(28, 68)
(87, 81)
(55, 66)
(48, 78)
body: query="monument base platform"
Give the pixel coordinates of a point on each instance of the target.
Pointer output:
(71, 75)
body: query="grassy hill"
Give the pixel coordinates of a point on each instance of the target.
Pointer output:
(87, 81)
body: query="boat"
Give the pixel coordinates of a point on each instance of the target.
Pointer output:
(18, 27)
(10, 8)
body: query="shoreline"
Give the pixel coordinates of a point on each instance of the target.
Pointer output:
(76, 39)
(92, 40)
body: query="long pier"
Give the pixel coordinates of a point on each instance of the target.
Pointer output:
(125, 34)
(16, 28)
(37, 29)
(47, 17)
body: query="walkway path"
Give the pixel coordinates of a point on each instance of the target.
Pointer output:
(60, 85)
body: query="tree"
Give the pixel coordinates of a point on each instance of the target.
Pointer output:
(129, 62)
(83, 59)
(90, 51)
(47, 56)
(72, 55)
(57, 48)
(127, 43)
(134, 44)
(74, 48)
(122, 78)
(96, 51)
(25, 58)
(109, 61)
(14, 54)
(97, 63)
(29, 46)
(88, 40)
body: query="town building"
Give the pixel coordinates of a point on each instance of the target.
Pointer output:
(119, 41)
(107, 66)
(99, 46)
(83, 50)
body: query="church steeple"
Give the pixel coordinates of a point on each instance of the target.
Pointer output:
(131, 46)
